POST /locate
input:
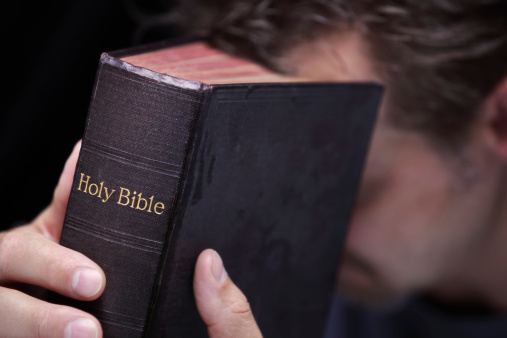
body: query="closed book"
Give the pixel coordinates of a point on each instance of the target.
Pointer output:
(187, 148)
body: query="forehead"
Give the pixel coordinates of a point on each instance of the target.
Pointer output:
(336, 57)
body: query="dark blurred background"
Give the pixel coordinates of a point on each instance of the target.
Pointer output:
(50, 53)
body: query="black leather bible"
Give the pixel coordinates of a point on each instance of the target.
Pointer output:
(217, 153)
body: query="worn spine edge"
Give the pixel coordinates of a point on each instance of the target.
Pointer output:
(144, 72)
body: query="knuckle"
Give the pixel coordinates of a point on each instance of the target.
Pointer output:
(241, 308)
(10, 243)
(41, 322)
(51, 272)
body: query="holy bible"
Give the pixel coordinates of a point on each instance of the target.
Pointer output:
(188, 148)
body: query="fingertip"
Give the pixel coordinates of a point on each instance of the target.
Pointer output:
(221, 304)
(25, 316)
(207, 287)
(83, 328)
(209, 272)
(205, 259)
(29, 257)
(88, 283)
(72, 323)
(217, 268)
(77, 276)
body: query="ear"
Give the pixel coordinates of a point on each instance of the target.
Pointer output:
(496, 118)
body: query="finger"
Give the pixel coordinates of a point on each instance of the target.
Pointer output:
(222, 306)
(27, 256)
(50, 221)
(24, 316)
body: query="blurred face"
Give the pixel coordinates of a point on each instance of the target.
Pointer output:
(421, 216)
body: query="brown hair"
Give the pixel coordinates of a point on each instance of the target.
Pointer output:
(439, 58)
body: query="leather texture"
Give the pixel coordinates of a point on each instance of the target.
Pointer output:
(266, 174)
(270, 186)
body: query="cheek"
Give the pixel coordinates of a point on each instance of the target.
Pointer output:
(400, 229)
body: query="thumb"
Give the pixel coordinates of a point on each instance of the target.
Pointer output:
(222, 306)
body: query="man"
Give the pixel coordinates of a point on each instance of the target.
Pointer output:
(430, 218)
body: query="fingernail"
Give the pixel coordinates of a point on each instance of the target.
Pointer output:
(81, 328)
(86, 282)
(217, 268)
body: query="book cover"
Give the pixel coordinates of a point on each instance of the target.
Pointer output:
(186, 148)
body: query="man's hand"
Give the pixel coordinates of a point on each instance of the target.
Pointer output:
(31, 254)
(223, 307)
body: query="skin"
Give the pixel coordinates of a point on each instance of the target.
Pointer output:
(30, 254)
(425, 221)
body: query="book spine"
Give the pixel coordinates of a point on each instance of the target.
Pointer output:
(127, 178)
